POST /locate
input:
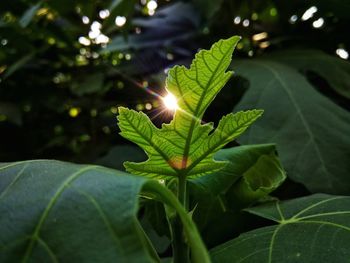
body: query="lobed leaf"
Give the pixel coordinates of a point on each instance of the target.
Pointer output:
(185, 145)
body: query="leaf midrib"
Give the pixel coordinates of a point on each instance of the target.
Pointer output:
(102, 215)
(8, 187)
(193, 121)
(299, 112)
(59, 191)
(163, 154)
(211, 149)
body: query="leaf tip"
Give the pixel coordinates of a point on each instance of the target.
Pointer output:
(122, 109)
(233, 40)
(259, 111)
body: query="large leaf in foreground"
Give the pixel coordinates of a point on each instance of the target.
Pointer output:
(184, 147)
(311, 132)
(60, 212)
(310, 229)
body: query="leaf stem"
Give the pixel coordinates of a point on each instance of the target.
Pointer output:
(180, 246)
(199, 253)
(182, 191)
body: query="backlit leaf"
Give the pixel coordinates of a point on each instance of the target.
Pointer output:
(185, 146)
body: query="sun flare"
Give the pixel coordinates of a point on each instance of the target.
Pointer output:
(170, 102)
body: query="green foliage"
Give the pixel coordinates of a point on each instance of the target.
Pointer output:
(240, 160)
(70, 194)
(219, 197)
(305, 125)
(59, 99)
(309, 229)
(45, 71)
(336, 71)
(60, 212)
(265, 176)
(184, 147)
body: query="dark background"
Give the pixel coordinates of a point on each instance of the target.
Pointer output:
(60, 89)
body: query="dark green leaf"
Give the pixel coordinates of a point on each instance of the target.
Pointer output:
(311, 132)
(313, 229)
(335, 70)
(252, 173)
(240, 159)
(265, 176)
(60, 212)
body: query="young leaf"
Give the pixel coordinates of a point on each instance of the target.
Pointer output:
(184, 146)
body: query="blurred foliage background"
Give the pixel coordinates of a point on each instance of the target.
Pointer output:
(65, 66)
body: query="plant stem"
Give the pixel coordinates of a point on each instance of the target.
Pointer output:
(180, 247)
(199, 253)
(182, 191)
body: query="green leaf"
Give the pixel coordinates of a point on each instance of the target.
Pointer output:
(265, 176)
(155, 224)
(252, 173)
(309, 229)
(184, 146)
(335, 70)
(311, 132)
(61, 212)
(240, 159)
